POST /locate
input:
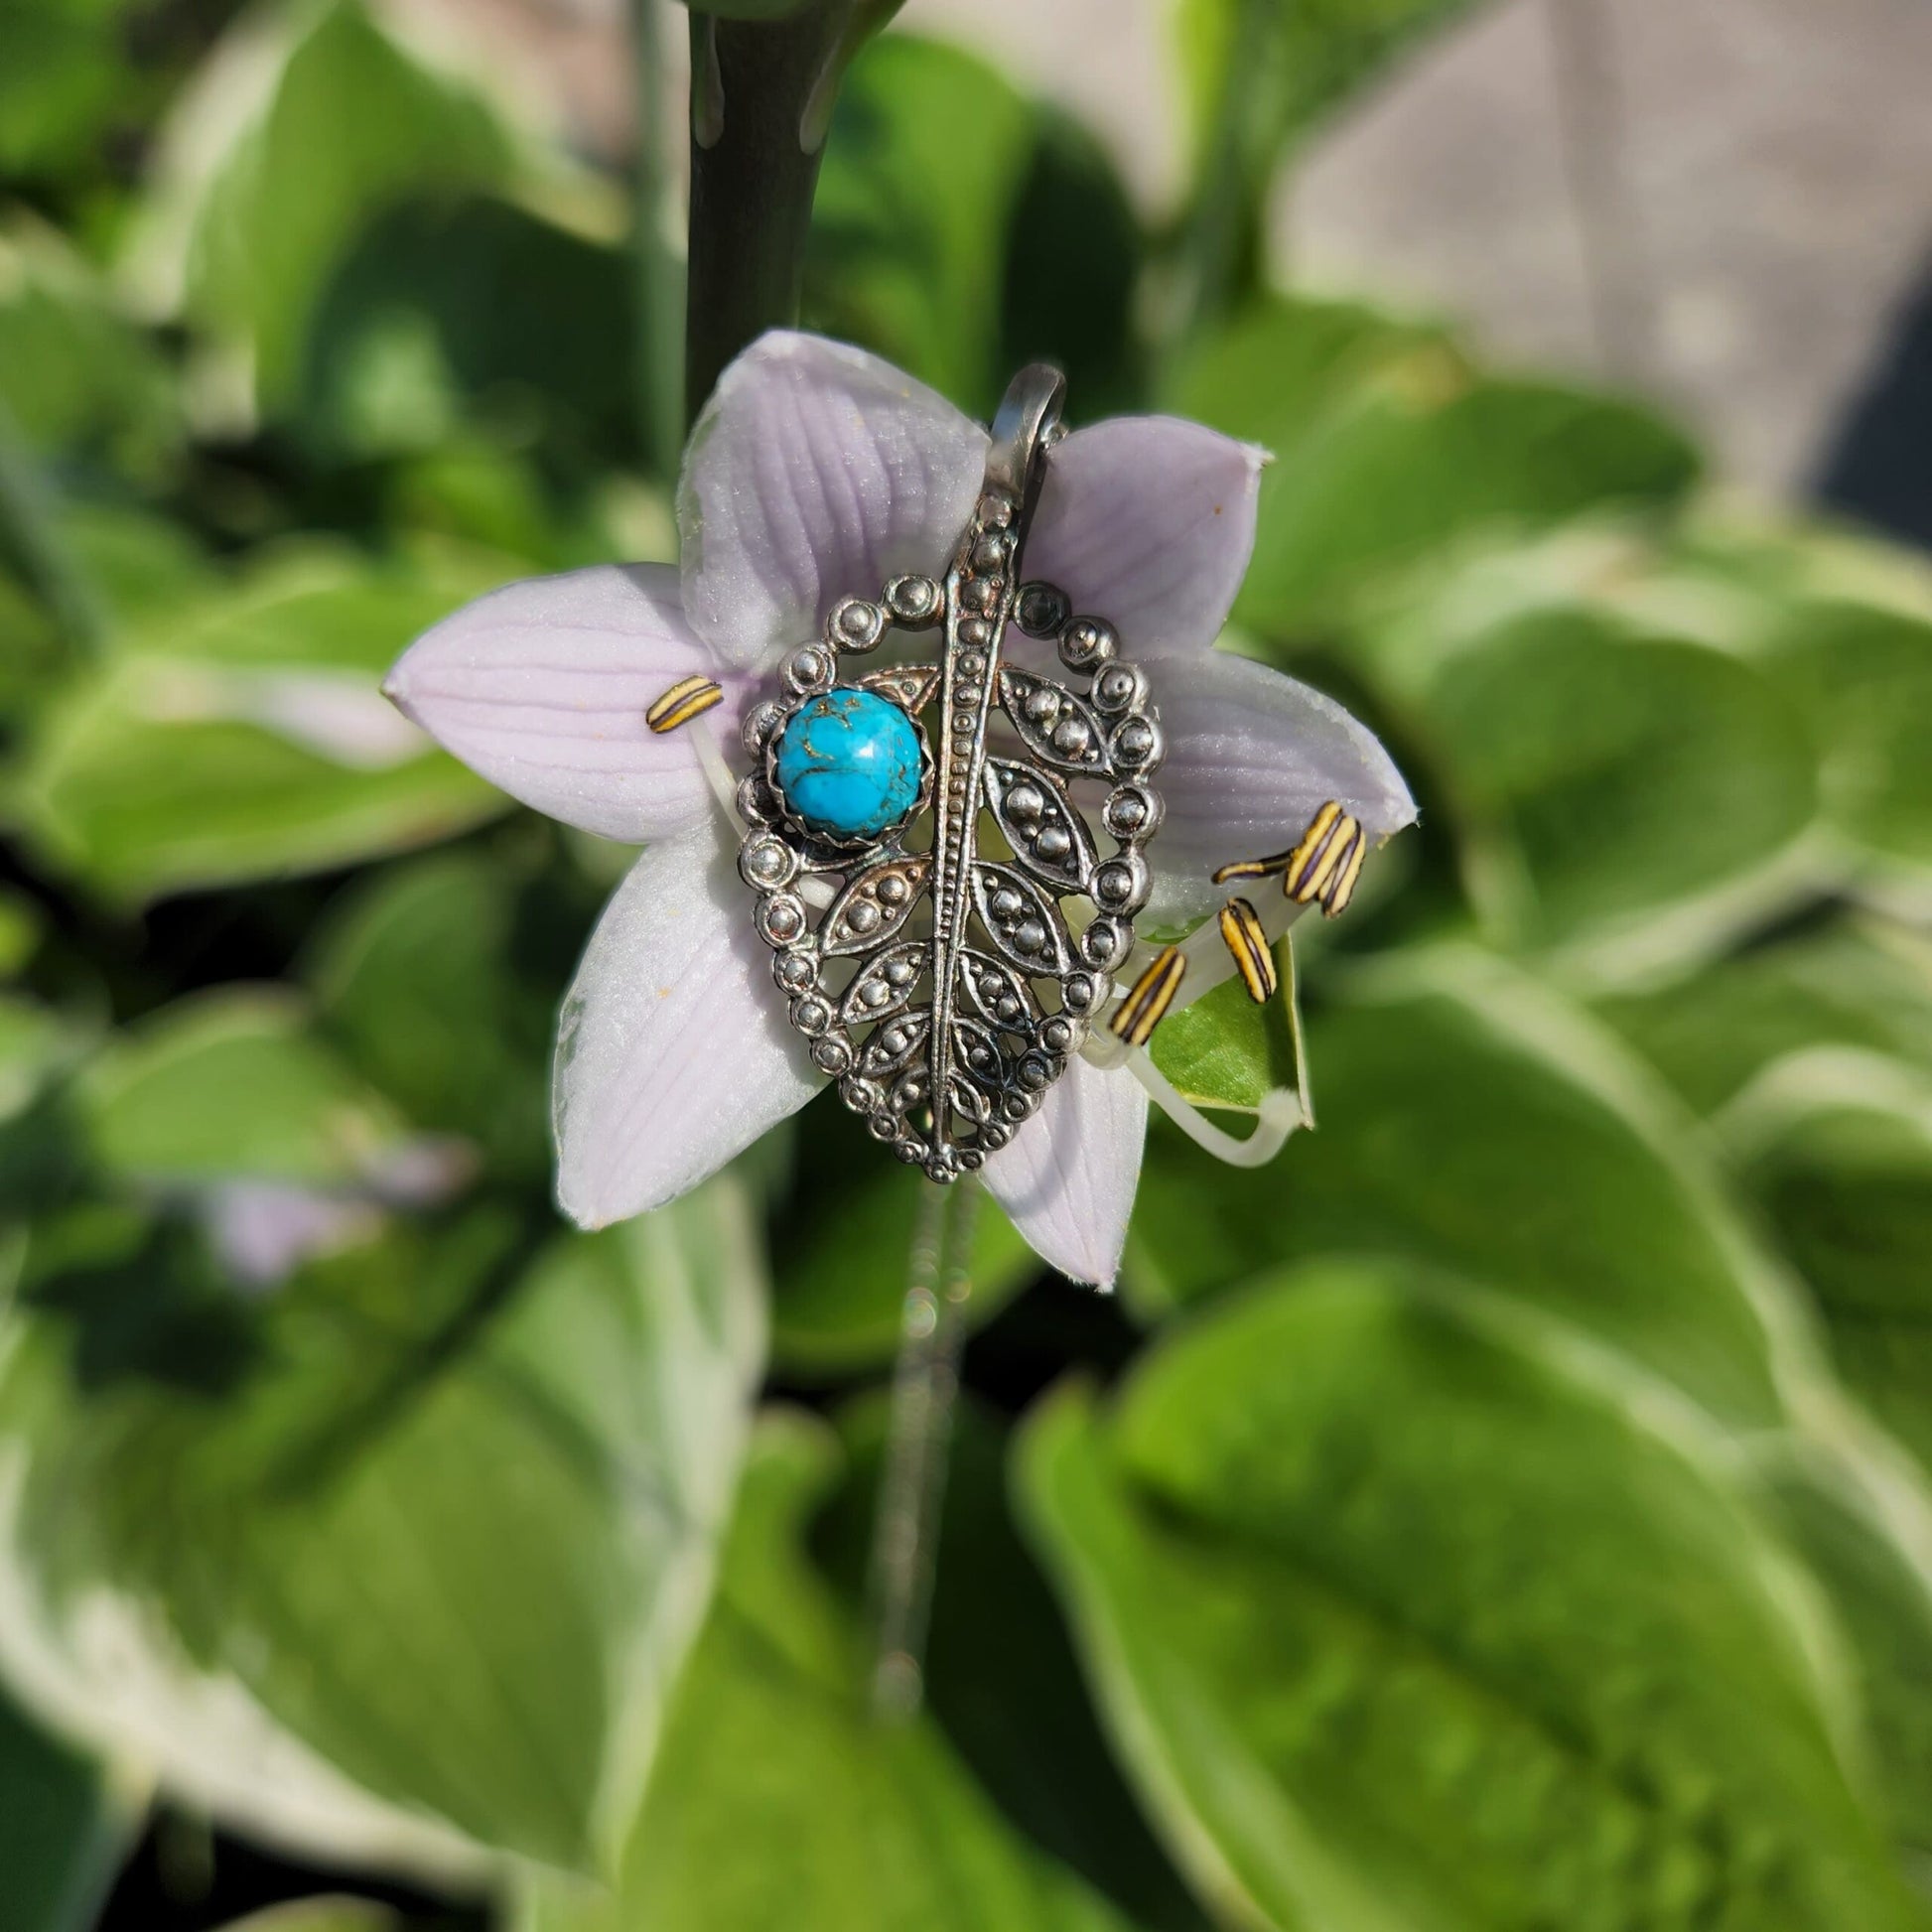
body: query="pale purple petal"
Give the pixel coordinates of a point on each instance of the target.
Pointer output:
(542, 687)
(672, 1048)
(816, 472)
(1252, 756)
(1067, 1177)
(1149, 522)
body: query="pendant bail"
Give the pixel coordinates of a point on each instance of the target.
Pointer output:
(1026, 427)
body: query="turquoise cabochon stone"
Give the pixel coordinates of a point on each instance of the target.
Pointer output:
(848, 764)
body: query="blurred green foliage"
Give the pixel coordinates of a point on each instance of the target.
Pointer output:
(1511, 1509)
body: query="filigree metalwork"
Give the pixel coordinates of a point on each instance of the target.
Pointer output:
(945, 970)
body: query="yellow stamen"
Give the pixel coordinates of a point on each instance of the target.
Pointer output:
(1150, 998)
(1314, 859)
(1334, 902)
(688, 698)
(1254, 958)
(1254, 868)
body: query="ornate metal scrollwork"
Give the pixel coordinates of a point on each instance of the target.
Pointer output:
(944, 966)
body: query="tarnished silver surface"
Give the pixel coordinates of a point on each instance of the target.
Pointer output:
(946, 971)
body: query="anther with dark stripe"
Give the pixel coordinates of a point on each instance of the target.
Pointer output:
(1254, 958)
(1324, 865)
(688, 698)
(1150, 997)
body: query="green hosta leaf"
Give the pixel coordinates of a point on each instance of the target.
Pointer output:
(1863, 676)
(1283, 63)
(1857, 986)
(417, 974)
(144, 570)
(452, 1524)
(1404, 1622)
(299, 132)
(1473, 1121)
(34, 1042)
(455, 308)
(1602, 777)
(927, 153)
(250, 739)
(1002, 1678)
(777, 1799)
(234, 1082)
(841, 1276)
(64, 69)
(1845, 1179)
(60, 1835)
(76, 379)
(1387, 448)
(1886, 1609)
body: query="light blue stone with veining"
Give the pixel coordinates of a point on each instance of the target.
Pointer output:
(848, 764)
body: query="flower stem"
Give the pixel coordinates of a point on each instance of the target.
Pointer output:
(755, 154)
(911, 1490)
(659, 288)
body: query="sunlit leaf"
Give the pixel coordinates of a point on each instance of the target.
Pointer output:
(1001, 1676)
(927, 152)
(1600, 776)
(1884, 1605)
(452, 1524)
(458, 308)
(234, 1082)
(1845, 1177)
(778, 1799)
(1283, 63)
(1844, 986)
(1477, 1123)
(1388, 445)
(301, 129)
(1404, 1621)
(251, 738)
(1864, 678)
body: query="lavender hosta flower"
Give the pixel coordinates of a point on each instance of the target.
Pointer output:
(815, 471)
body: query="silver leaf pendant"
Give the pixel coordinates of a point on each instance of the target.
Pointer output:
(924, 843)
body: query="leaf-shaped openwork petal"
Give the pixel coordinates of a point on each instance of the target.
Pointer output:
(1062, 730)
(1000, 996)
(895, 1043)
(886, 983)
(874, 905)
(973, 1100)
(1024, 922)
(1048, 837)
(977, 1056)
